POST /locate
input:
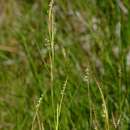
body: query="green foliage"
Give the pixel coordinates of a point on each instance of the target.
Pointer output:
(89, 34)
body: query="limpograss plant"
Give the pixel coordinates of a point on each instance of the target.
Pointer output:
(45, 48)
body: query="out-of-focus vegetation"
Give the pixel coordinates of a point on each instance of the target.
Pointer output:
(91, 65)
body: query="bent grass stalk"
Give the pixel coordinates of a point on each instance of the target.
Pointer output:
(105, 111)
(40, 125)
(60, 104)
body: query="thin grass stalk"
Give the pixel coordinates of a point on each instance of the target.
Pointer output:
(51, 54)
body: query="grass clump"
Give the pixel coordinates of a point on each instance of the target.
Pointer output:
(45, 48)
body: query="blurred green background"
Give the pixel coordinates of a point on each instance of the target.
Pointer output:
(89, 34)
